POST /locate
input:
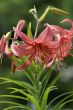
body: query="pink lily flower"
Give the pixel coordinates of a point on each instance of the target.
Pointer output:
(66, 39)
(4, 49)
(19, 26)
(42, 48)
(2, 46)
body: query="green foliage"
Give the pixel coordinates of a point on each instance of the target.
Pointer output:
(35, 91)
(45, 97)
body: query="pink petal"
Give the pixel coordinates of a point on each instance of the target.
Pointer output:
(50, 63)
(24, 37)
(2, 44)
(19, 26)
(7, 51)
(58, 30)
(25, 64)
(68, 21)
(45, 36)
(70, 33)
(22, 50)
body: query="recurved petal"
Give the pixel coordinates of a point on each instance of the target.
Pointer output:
(57, 29)
(68, 20)
(70, 33)
(24, 37)
(45, 36)
(19, 26)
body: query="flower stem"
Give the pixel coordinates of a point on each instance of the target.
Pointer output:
(36, 30)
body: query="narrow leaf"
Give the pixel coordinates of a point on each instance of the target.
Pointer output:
(45, 97)
(13, 103)
(25, 85)
(63, 104)
(14, 107)
(61, 101)
(29, 32)
(33, 100)
(13, 96)
(54, 81)
(57, 97)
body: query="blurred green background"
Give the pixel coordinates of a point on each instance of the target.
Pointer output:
(11, 11)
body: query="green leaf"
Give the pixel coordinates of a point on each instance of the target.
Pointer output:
(14, 107)
(42, 73)
(18, 90)
(13, 96)
(33, 100)
(14, 103)
(45, 97)
(32, 79)
(57, 97)
(47, 70)
(45, 79)
(63, 104)
(55, 80)
(61, 101)
(4, 82)
(29, 32)
(25, 85)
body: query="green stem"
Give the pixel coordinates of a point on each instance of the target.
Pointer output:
(36, 30)
(44, 14)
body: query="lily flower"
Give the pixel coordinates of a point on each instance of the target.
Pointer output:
(66, 39)
(42, 48)
(4, 43)
(4, 49)
(2, 46)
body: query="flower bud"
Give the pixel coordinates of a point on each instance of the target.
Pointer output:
(58, 11)
(7, 36)
(54, 10)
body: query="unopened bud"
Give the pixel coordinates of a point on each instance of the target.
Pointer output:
(58, 11)
(53, 10)
(8, 35)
